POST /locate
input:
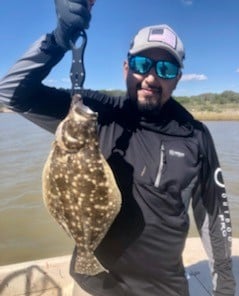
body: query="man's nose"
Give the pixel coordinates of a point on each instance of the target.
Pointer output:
(152, 76)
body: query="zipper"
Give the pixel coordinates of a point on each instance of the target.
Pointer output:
(161, 165)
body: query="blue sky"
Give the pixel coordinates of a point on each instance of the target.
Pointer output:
(208, 28)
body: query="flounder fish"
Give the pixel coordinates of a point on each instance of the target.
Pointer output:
(79, 189)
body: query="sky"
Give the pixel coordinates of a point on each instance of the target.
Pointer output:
(209, 30)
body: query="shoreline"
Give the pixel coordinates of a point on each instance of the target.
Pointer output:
(5, 110)
(226, 115)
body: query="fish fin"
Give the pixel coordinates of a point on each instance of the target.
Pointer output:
(63, 224)
(88, 264)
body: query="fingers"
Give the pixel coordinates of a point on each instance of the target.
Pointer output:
(86, 3)
(79, 10)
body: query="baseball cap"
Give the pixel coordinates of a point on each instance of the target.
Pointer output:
(159, 36)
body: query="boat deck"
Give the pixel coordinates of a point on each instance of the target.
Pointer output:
(50, 277)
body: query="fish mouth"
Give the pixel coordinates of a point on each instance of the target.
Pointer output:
(80, 108)
(85, 109)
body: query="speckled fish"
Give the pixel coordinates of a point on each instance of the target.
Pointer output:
(79, 188)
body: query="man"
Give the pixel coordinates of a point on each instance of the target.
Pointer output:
(161, 158)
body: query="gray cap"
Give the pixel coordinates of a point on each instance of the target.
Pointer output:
(159, 36)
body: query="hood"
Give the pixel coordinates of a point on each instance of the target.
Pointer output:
(173, 119)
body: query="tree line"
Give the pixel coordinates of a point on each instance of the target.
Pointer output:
(202, 102)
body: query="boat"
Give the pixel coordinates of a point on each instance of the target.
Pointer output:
(50, 276)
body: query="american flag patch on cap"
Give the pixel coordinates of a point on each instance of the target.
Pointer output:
(163, 35)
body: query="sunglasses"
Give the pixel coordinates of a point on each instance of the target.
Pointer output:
(142, 65)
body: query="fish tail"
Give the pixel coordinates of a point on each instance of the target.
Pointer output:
(88, 265)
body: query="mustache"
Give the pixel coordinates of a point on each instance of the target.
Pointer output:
(139, 86)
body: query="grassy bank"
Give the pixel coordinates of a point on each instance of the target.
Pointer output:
(227, 115)
(5, 110)
(208, 106)
(224, 106)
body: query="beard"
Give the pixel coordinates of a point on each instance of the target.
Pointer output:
(149, 105)
(148, 110)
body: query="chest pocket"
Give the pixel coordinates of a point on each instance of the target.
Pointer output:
(162, 161)
(178, 163)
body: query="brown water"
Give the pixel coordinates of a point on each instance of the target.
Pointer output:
(27, 231)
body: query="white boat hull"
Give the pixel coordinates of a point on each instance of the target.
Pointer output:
(50, 277)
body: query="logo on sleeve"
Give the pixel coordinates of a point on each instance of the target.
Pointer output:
(218, 178)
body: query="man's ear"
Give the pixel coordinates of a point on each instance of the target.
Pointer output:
(179, 75)
(125, 68)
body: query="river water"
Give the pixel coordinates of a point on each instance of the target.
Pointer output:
(27, 231)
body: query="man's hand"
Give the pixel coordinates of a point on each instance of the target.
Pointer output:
(73, 16)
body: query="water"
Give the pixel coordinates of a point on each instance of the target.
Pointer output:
(27, 231)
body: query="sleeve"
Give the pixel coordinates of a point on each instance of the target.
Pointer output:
(22, 91)
(212, 217)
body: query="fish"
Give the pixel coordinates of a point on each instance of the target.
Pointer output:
(78, 185)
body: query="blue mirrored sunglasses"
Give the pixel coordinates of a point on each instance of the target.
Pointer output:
(142, 65)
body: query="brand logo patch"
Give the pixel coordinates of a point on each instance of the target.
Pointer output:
(176, 153)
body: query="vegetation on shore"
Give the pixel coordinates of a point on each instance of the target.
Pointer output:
(207, 106)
